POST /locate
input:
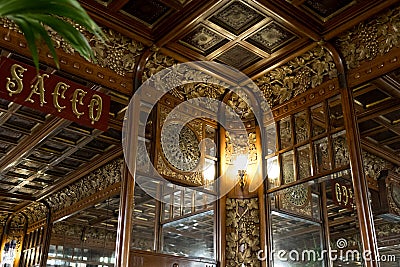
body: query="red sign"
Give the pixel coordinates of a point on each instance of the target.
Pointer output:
(342, 194)
(20, 83)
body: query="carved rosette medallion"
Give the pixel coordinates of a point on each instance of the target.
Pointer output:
(183, 155)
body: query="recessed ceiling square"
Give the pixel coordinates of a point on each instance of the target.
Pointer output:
(325, 9)
(271, 37)
(238, 57)
(236, 17)
(148, 11)
(204, 40)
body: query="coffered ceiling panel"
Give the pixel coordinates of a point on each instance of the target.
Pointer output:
(238, 57)
(204, 39)
(148, 11)
(271, 37)
(326, 9)
(236, 17)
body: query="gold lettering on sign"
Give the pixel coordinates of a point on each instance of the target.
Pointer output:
(38, 89)
(79, 93)
(17, 75)
(97, 102)
(59, 90)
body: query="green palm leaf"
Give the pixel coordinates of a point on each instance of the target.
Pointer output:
(31, 16)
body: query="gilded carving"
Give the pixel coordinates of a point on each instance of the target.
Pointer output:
(297, 76)
(242, 232)
(192, 178)
(82, 232)
(92, 183)
(370, 39)
(238, 144)
(117, 53)
(340, 151)
(373, 165)
(238, 102)
(35, 212)
(156, 63)
(387, 229)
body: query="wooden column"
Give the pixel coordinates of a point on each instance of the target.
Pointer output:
(364, 214)
(47, 237)
(125, 218)
(127, 185)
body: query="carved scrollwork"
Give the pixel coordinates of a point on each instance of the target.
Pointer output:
(297, 76)
(92, 183)
(238, 144)
(242, 232)
(370, 39)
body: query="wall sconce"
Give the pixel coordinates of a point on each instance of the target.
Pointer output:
(242, 175)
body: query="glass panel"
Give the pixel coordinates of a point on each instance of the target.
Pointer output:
(318, 120)
(86, 238)
(285, 133)
(270, 132)
(190, 237)
(342, 219)
(273, 171)
(340, 149)
(296, 240)
(301, 129)
(177, 203)
(288, 167)
(322, 155)
(210, 141)
(304, 162)
(335, 113)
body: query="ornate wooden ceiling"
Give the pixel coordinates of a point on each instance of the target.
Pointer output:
(40, 153)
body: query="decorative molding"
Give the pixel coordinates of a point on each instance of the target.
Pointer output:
(370, 39)
(91, 184)
(242, 232)
(304, 72)
(238, 57)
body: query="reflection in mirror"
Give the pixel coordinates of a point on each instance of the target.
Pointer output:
(377, 103)
(173, 219)
(86, 238)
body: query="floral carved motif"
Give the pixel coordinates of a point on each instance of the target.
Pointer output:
(242, 232)
(117, 53)
(370, 39)
(373, 165)
(92, 183)
(35, 212)
(297, 76)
